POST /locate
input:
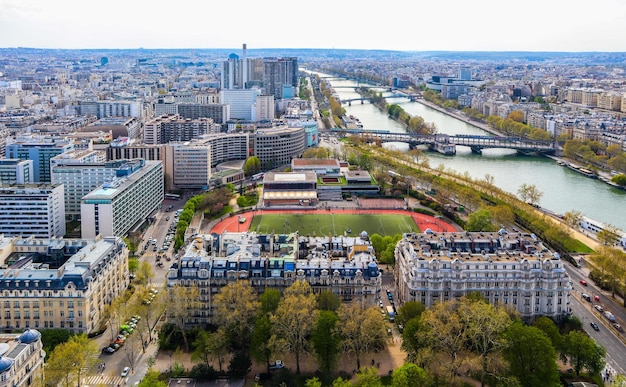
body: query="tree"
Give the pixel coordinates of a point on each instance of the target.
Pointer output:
(151, 379)
(573, 218)
(529, 193)
(260, 346)
(410, 375)
(583, 353)
(252, 166)
(326, 341)
(446, 333)
(619, 180)
(480, 221)
(70, 360)
(362, 330)
(547, 326)
(368, 377)
(183, 302)
(235, 308)
(410, 310)
(531, 356)
(328, 300)
(144, 273)
(609, 235)
(293, 321)
(132, 347)
(485, 327)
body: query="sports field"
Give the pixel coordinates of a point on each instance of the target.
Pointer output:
(335, 224)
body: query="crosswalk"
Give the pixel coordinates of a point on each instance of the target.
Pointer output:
(103, 380)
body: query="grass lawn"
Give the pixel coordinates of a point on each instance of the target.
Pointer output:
(313, 224)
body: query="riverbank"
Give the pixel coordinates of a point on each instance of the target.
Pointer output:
(460, 117)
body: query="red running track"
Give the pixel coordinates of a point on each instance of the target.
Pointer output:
(231, 224)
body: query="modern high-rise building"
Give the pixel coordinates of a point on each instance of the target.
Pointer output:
(79, 179)
(16, 171)
(264, 108)
(241, 102)
(192, 164)
(40, 150)
(122, 205)
(60, 283)
(278, 72)
(32, 210)
(276, 146)
(220, 113)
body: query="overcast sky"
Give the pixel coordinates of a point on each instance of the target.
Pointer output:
(407, 25)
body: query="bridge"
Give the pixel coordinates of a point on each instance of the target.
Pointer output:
(447, 144)
(394, 94)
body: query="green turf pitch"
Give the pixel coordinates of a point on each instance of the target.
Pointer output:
(313, 224)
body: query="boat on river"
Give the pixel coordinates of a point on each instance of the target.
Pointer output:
(583, 171)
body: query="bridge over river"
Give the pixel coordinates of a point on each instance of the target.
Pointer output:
(447, 144)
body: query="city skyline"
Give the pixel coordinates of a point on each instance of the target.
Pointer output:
(482, 25)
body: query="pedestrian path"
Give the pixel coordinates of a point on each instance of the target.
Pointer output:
(103, 380)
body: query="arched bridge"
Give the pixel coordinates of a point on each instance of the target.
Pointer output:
(394, 94)
(447, 144)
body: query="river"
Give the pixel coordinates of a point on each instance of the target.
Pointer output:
(563, 190)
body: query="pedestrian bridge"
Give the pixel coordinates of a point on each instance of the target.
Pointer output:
(447, 144)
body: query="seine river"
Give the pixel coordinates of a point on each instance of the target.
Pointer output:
(563, 190)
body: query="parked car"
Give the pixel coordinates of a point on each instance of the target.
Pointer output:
(278, 364)
(599, 308)
(583, 282)
(618, 327)
(587, 297)
(595, 326)
(108, 350)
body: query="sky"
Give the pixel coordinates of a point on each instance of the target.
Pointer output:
(406, 25)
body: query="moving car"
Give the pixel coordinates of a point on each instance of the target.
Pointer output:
(595, 326)
(125, 372)
(583, 282)
(599, 308)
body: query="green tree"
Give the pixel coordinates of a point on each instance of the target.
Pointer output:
(583, 353)
(480, 221)
(294, 320)
(328, 300)
(619, 180)
(547, 326)
(252, 166)
(410, 375)
(70, 360)
(261, 349)
(531, 356)
(326, 341)
(151, 379)
(269, 300)
(368, 377)
(609, 235)
(362, 330)
(410, 310)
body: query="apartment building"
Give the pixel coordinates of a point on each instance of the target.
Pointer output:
(16, 171)
(220, 113)
(122, 205)
(192, 164)
(276, 146)
(510, 269)
(39, 149)
(345, 266)
(32, 209)
(103, 109)
(21, 359)
(164, 129)
(60, 283)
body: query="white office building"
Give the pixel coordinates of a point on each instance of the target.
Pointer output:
(16, 171)
(79, 179)
(241, 102)
(32, 210)
(192, 164)
(121, 206)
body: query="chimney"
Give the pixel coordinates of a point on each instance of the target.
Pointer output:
(244, 68)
